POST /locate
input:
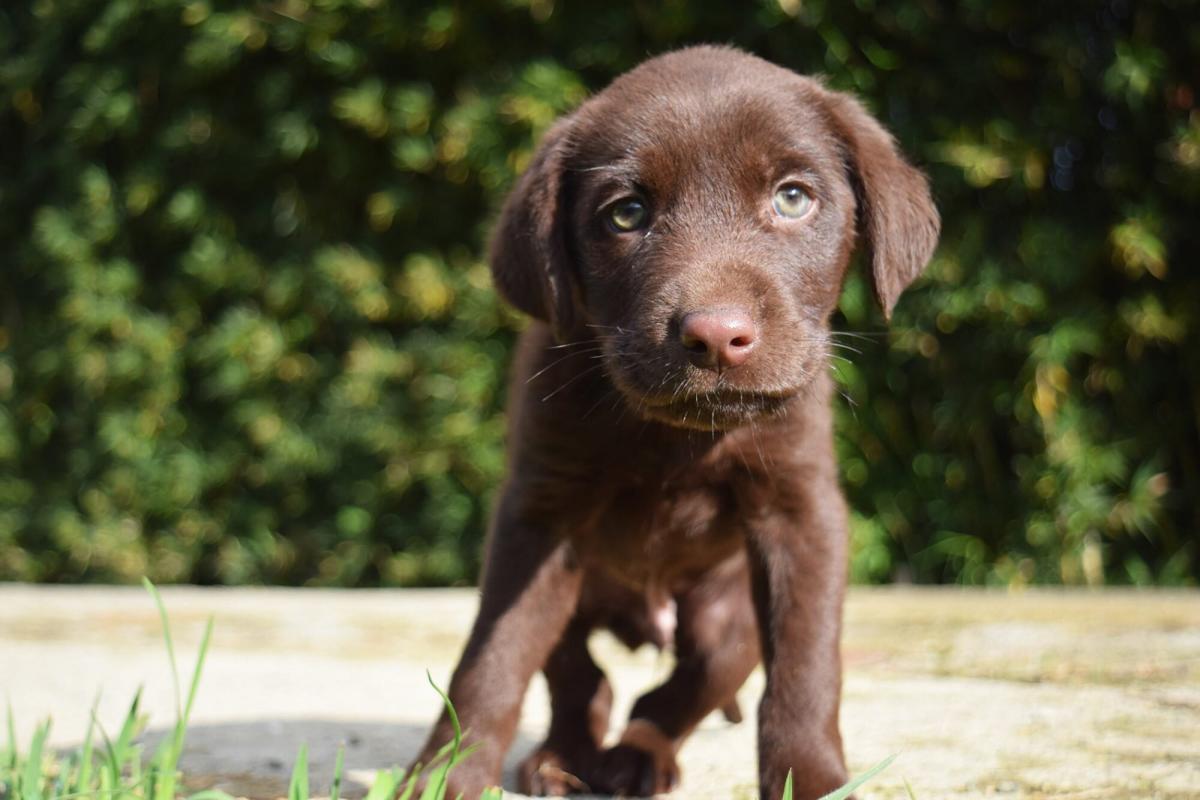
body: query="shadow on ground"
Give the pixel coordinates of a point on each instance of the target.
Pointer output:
(255, 759)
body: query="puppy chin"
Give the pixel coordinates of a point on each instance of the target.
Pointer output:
(717, 412)
(702, 409)
(705, 402)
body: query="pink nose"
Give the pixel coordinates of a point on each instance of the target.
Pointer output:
(718, 339)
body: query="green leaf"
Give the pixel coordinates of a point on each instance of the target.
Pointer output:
(849, 788)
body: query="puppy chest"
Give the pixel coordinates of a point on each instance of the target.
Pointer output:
(657, 536)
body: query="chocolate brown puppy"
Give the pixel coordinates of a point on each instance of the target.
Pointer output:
(680, 241)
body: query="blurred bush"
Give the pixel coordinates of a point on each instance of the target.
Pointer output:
(247, 335)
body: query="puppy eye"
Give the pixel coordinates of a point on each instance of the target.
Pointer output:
(792, 201)
(627, 214)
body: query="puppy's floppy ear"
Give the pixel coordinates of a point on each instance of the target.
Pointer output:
(529, 255)
(895, 209)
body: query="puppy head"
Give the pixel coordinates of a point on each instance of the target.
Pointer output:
(697, 218)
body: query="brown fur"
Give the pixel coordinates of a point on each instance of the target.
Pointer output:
(641, 483)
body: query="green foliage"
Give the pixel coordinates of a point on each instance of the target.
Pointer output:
(247, 334)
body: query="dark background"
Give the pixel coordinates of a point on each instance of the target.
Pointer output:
(247, 335)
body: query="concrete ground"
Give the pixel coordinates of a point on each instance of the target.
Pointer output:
(1041, 694)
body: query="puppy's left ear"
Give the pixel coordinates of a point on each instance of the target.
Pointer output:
(895, 209)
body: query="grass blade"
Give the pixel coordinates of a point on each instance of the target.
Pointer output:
(110, 775)
(435, 789)
(435, 783)
(384, 787)
(787, 787)
(451, 712)
(165, 764)
(298, 787)
(166, 628)
(166, 761)
(83, 779)
(191, 698)
(12, 741)
(845, 791)
(410, 786)
(123, 750)
(336, 788)
(31, 780)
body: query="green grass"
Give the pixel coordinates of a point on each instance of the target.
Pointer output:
(844, 792)
(107, 768)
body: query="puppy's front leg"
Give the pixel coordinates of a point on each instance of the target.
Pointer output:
(530, 589)
(798, 562)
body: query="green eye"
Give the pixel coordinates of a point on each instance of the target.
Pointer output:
(627, 215)
(792, 201)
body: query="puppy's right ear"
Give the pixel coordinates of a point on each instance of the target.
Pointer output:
(530, 260)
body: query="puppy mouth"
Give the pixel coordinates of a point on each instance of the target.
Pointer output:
(716, 410)
(683, 396)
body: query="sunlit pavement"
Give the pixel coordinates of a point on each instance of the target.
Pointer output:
(1075, 694)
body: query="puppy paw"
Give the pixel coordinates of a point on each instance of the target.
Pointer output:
(629, 771)
(546, 773)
